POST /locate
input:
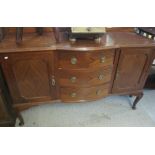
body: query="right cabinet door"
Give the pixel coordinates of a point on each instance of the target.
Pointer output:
(132, 69)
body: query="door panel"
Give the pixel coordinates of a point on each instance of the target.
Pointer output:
(132, 69)
(29, 76)
(32, 76)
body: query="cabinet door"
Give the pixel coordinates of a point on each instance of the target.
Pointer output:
(132, 69)
(29, 76)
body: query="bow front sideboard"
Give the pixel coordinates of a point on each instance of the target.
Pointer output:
(40, 70)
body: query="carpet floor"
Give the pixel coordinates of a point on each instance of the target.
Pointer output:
(113, 111)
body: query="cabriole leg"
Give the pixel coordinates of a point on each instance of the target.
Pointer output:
(139, 96)
(21, 120)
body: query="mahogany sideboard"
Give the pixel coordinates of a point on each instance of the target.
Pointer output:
(41, 70)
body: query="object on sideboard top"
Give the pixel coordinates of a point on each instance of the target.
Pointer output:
(74, 33)
(86, 33)
(60, 33)
(148, 32)
(39, 30)
(19, 33)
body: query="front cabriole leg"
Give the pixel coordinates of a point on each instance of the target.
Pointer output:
(21, 123)
(139, 96)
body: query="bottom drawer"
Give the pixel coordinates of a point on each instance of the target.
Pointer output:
(70, 94)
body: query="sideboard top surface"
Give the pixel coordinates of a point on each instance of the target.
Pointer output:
(34, 42)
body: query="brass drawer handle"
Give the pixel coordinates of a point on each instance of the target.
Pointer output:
(73, 61)
(102, 59)
(101, 77)
(98, 92)
(73, 94)
(73, 79)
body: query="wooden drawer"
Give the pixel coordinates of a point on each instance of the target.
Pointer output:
(79, 60)
(81, 78)
(74, 94)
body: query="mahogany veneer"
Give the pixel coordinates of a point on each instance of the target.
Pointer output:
(41, 70)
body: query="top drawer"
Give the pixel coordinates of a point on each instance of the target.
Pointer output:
(79, 60)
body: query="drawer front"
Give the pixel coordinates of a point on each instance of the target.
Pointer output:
(84, 77)
(80, 60)
(74, 94)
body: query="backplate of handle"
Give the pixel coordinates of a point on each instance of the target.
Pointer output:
(102, 59)
(73, 60)
(53, 81)
(101, 77)
(73, 79)
(73, 94)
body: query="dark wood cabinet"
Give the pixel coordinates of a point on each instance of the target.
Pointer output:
(30, 76)
(41, 70)
(132, 69)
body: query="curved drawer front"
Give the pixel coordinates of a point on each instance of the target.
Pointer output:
(83, 78)
(81, 60)
(74, 94)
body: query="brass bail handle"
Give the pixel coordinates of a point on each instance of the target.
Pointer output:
(101, 77)
(73, 60)
(102, 59)
(53, 81)
(98, 92)
(73, 79)
(73, 94)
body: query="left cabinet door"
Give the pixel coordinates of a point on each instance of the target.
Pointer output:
(29, 76)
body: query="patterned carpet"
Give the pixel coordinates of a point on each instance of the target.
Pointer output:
(108, 112)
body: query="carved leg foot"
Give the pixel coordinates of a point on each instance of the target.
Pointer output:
(139, 96)
(21, 120)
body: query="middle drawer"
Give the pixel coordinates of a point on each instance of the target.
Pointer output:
(84, 78)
